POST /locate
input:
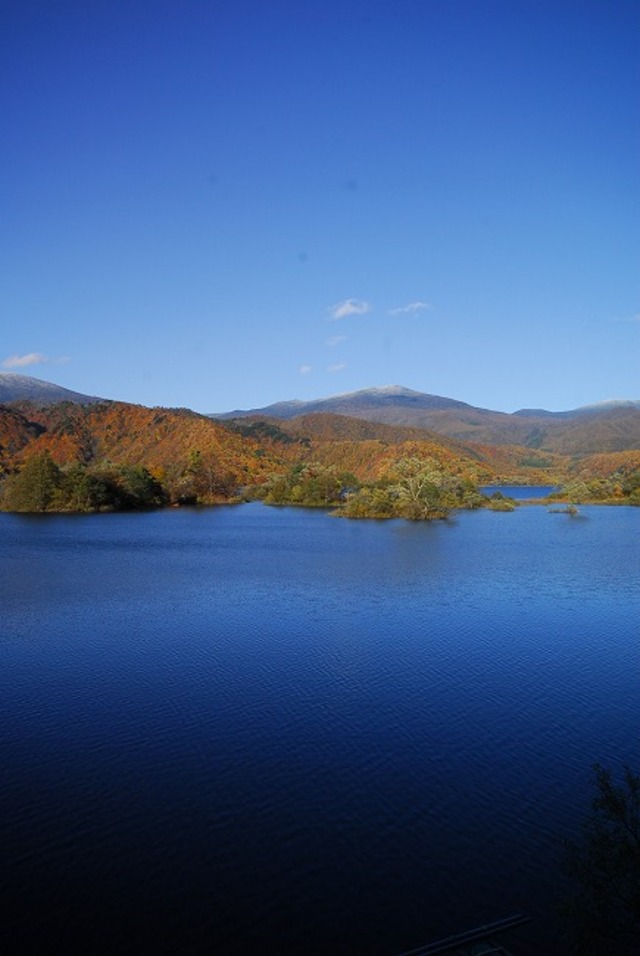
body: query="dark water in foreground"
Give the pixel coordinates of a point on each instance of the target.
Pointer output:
(260, 730)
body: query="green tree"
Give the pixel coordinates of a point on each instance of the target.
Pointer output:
(500, 502)
(421, 488)
(141, 489)
(414, 488)
(304, 484)
(370, 503)
(35, 487)
(275, 490)
(319, 485)
(631, 487)
(208, 478)
(602, 916)
(178, 483)
(81, 491)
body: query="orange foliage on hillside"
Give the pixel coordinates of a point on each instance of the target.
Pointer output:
(368, 448)
(607, 464)
(16, 432)
(198, 458)
(164, 441)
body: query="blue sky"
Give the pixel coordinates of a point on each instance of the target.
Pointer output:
(226, 204)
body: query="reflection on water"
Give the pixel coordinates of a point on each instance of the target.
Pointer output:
(272, 729)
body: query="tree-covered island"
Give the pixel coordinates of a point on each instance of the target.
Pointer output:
(414, 488)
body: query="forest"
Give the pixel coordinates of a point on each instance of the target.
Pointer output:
(111, 456)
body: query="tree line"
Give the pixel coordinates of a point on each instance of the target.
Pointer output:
(42, 485)
(414, 487)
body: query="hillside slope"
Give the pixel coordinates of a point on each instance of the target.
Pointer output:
(25, 388)
(367, 448)
(16, 432)
(179, 447)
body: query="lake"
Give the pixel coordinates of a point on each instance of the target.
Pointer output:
(520, 492)
(249, 729)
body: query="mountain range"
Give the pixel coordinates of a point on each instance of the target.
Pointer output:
(607, 427)
(611, 426)
(387, 400)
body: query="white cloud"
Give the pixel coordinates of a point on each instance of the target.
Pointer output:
(21, 361)
(335, 340)
(336, 368)
(349, 307)
(33, 358)
(304, 369)
(411, 308)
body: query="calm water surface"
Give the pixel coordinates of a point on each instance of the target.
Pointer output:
(520, 492)
(270, 730)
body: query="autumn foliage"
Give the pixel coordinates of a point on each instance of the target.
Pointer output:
(189, 456)
(111, 455)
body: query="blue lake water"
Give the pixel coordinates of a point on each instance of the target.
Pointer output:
(520, 492)
(246, 729)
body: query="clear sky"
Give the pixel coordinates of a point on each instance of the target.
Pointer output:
(220, 204)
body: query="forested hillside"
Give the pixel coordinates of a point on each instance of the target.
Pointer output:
(367, 448)
(113, 456)
(128, 455)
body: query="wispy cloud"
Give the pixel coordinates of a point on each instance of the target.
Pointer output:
(22, 361)
(341, 310)
(336, 368)
(412, 308)
(304, 369)
(335, 340)
(33, 358)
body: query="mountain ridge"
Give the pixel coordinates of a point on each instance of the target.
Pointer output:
(604, 427)
(399, 394)
(25, 388)
(17, 387)
(380, 396)
(610, 426)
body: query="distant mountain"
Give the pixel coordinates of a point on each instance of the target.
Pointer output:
(24, 388)
(356, 404)
(583, 411)
(606, 427)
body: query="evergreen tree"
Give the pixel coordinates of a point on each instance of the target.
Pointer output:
(35, 487)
